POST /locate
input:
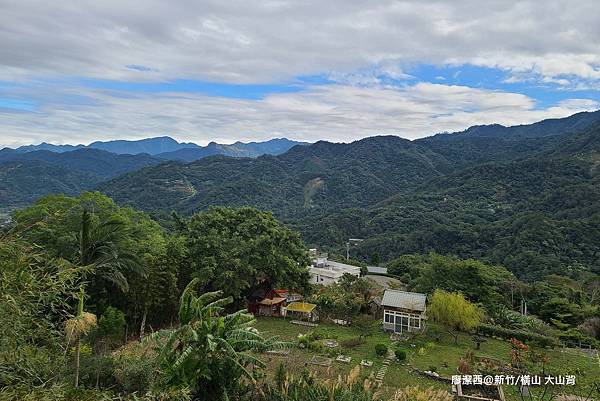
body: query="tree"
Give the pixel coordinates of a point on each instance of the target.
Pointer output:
(239, 250)
(478, 281)
(357, 285)
(99, 248)
(90, 230)
(375, 259)
(77, 327)
(111, 325)
(453, 311)
(210, 351)
(365, 325)
(344, 300)
(34, 289)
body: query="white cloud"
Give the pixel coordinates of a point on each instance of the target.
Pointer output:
(271, 40)
(334, 112)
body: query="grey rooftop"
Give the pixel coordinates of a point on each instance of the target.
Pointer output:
(404, 299)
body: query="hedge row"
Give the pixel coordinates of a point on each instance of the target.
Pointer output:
(574, 338)
(524, 336)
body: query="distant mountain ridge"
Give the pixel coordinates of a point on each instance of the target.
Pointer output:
(275, 147)
(32, 171)
(325, 176)
(525, 197)
(168, 148)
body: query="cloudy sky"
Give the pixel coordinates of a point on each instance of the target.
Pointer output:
(199, 70)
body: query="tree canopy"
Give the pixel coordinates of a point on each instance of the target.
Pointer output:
(452, 310)
(240, 250)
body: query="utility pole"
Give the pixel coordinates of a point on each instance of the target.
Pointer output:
(351, 241)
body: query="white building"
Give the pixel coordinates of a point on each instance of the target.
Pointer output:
(325, 272)
(403, 311)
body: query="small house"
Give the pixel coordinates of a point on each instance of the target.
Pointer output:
(403, 311)
(271, 302)
(301, 310)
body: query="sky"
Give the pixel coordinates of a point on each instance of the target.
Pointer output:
(199, 70)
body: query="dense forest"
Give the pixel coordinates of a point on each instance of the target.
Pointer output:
(525, 197)
(28, 172)
(100, 302)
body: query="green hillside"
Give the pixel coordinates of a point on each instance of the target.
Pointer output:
(529, 202)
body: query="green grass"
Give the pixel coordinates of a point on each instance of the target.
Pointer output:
(436, 354)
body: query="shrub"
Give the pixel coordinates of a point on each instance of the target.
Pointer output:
(111, 325)
(280, 376)
(352, 342)
(524, 336)
(97, 370)
(418, 394)
(134, 369)
(574, 337)
(515, 321)
(400, 354)
(315, 346)
(381, 349)
(303, 340)
(316, 335)
(464, 367)
(433, 368)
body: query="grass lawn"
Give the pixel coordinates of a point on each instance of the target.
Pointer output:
(444, 356)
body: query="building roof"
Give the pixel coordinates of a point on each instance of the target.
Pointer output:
(333, 270)
(273, 301)
(326, 272)
(404, 300)
(303, 307)
(376, 301)
(377, 270)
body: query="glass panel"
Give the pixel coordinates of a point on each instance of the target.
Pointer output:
(388, 318)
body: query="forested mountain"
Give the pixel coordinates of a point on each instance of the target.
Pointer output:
(527, 200)
(45, 146)
(22, 182)
(327, 176)
(24, 177)
(525, 197)
(71, 171)
(151, 146)
(536, 216)
(101, 163)
(323, 176)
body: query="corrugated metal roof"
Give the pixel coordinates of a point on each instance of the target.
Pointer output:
(301, 307)
(273, 301)
(377, 269)
(404, 299)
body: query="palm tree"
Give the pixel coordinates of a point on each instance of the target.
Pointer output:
(76, 328)
(100, 248)
(210, 351)
(99, 251)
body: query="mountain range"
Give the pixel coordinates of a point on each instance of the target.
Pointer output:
(167, 148)
(328, 176)
(526, 197)
(28, 172)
